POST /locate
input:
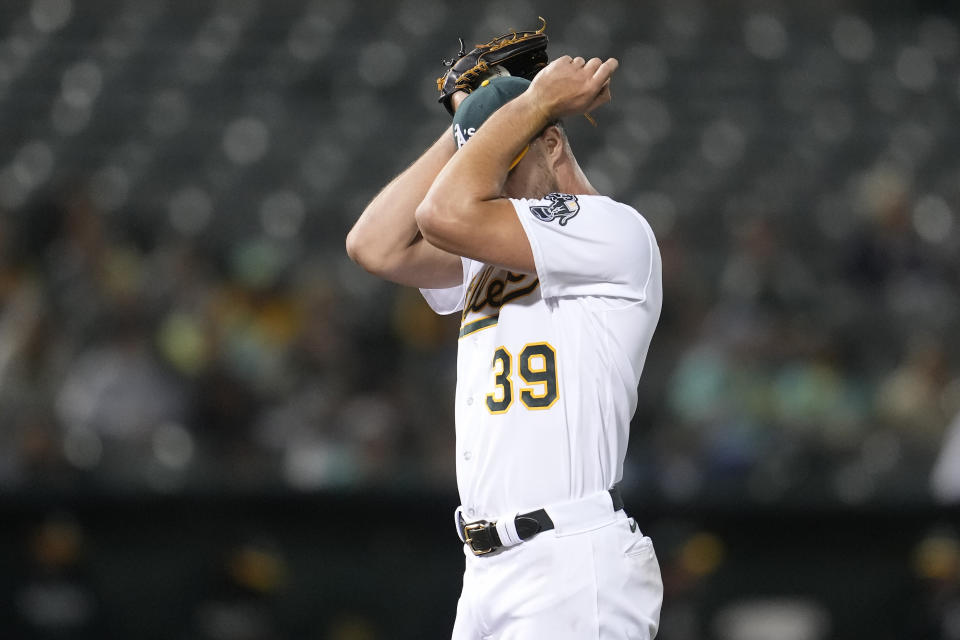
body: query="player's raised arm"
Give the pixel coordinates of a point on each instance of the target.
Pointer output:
(517, 153)
(386, 240)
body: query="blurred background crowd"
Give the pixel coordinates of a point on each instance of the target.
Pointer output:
(178, 316)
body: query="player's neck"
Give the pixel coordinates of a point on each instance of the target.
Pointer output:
(572, 180)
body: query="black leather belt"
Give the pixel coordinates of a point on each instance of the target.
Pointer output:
(482, 537)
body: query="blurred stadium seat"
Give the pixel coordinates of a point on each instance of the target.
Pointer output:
(176, 179)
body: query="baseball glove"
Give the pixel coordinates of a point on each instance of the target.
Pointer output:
(521, 53)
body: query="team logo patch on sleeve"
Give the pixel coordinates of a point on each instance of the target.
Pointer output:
(562, 207)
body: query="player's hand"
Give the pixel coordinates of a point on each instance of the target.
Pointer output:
(570, 86)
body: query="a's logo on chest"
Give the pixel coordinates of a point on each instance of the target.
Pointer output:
(489, 290)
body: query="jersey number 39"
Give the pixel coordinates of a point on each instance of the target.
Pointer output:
(537, 366)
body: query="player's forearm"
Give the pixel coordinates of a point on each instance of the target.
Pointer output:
(387, 228)
(478, 171)
(465, 212)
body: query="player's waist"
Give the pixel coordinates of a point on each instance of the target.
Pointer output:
(567, 517)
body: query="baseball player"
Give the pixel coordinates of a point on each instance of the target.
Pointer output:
(559, 290)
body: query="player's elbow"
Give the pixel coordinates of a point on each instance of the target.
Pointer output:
(360, 249)
(428, 218)
(355, 247)
(437, 221)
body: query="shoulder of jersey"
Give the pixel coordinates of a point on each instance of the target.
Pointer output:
(564, 207)
(555, 207)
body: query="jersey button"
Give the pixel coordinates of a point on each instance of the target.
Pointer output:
(469, 401)
(467, 455)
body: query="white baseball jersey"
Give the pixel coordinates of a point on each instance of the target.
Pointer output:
(548, 364)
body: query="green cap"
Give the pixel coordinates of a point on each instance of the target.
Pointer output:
(482, 102)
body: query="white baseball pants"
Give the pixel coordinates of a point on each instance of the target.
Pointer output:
(593, 580)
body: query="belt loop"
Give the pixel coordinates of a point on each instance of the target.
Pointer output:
(616, 497)
(458, 522)
(507, 530)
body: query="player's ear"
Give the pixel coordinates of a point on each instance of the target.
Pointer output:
(552, 139)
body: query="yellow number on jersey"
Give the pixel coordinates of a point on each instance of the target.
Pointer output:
(501, 366)
(538, 368)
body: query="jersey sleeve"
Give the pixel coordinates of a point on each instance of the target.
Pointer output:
(451, 299)
(588, 245)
